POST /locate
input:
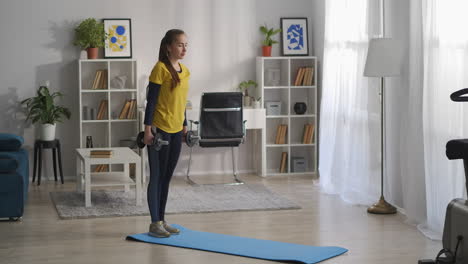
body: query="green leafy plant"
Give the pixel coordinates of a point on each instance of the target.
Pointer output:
(41, 108)
(244, 86)
(268, 34)
(90, 34)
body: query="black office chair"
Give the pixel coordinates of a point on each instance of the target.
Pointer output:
(220, 124)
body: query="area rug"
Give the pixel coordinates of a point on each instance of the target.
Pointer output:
(243, 246)
(182, 199)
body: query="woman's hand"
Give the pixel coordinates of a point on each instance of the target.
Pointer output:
(148, 139)
(184, 133)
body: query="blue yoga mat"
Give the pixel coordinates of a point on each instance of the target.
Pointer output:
(243, 246)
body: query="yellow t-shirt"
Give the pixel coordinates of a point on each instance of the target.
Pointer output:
(169, 114)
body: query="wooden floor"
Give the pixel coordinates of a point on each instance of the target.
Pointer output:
(324, 220)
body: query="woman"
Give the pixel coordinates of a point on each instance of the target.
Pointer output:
(165, 112)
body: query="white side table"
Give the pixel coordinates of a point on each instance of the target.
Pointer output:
(87, 179)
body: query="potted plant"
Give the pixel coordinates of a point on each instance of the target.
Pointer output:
(42, 110)
(90, 36)
(268, 42)
(244, 87)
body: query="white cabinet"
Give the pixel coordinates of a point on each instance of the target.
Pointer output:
(105, 87)
(290, 135)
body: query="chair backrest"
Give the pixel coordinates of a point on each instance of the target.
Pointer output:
(221, 120)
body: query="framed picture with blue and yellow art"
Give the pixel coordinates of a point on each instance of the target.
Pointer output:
(294, 36)
(118, 42)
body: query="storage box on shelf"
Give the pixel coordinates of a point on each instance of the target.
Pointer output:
(288, 88)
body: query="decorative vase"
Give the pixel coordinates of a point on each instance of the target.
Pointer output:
(47, 132)
(92, 53)
(247, 101)
(300, 108)
(266, 51)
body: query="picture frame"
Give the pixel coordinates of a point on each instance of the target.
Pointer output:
(294, 36)
(118, 43)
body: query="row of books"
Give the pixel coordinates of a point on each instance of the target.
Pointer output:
(101, 168)
(281, 133)
(129, 109)
(100, 80)
(308, 135)
(100, 153)
(304, 76)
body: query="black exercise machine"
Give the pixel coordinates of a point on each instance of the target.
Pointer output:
(455, 236)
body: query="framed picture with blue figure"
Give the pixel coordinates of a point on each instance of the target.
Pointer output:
(294, 36)
(118, 42)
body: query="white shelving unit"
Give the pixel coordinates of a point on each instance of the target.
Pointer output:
(109, 131)
(276, 77)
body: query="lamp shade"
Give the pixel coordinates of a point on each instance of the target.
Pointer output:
(383, 58)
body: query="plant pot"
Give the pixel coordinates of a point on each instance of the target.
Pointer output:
(47, 132)
(266, 51)
(256, 104)
(92, 53)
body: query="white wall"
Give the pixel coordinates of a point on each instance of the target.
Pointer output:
(223, 35)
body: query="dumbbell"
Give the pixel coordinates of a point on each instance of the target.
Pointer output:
(157, 143)
(191, 138)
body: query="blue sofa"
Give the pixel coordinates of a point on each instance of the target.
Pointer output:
(14, 176)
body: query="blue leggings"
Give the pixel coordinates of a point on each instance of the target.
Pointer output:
(162, 164)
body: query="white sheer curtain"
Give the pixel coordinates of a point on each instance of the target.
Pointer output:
(445, 71)
(349, 116)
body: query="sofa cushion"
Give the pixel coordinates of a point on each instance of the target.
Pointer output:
(10, 142)
(8, 165)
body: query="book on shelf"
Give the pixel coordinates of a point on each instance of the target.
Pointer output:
(311, 134)
(124, 111)
(284, 162)
(308, 134)
(100, 156)
(101, 168)
(128, 110)
(100, 80)
(102, 110)
(284, 131)
(304, 76)
(132, 109)
(310, 75)
(102, 151)
(298, 74)
(281, 133)
(96, 79)
(304, 135)
(278, 134)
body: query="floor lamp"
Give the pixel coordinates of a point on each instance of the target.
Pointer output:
(383, 60)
